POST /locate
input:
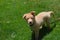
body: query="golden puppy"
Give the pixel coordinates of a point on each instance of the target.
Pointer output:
(37, 21)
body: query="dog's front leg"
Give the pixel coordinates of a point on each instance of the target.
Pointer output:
(36, 34)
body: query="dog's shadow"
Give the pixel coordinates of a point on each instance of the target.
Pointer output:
(43, 32)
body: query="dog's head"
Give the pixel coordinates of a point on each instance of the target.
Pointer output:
(30, 17)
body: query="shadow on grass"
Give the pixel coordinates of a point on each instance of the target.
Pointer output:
(43, 32)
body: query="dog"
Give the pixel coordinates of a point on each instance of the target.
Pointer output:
(36, 22)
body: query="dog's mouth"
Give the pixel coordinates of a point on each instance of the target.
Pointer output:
(31, 24)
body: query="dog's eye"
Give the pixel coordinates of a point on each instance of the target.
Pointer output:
(32, 18)
(27, 18)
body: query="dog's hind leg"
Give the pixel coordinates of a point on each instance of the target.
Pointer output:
(48, 23)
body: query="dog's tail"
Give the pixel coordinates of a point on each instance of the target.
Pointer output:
(52, 14)
(54, 17)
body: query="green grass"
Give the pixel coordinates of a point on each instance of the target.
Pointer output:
(13, 26)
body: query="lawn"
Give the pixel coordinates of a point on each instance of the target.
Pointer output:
(14, 27)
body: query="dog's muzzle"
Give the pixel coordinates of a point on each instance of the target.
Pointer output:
(30, 23)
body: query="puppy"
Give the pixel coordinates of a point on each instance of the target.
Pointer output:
(37, 21)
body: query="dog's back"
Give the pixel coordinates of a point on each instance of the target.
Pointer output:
(40, 17)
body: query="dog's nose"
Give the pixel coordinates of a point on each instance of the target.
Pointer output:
(30, 22)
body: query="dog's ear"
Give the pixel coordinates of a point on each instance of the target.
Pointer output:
(24, 16)
(33, 13)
